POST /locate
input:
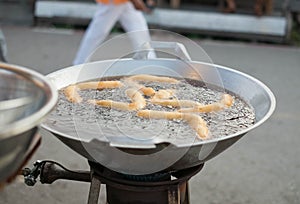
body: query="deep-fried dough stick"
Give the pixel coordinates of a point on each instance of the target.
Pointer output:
(132, 81)
(198, 124)
(163, 94)
(176, 103)
(114, 104)
(138, 102)
(147, 91)
(151, 78)
(225, 102)
(136, 97)
(99, 85)
(195, 121)
(151, 114)
(71, 92)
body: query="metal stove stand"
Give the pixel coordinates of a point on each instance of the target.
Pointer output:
(158, 188)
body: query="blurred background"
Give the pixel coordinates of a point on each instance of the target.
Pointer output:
(200, 18)
(263, 167)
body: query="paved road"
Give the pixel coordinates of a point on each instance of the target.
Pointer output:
(263, 167)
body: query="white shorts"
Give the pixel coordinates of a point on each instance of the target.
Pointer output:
(103, 21)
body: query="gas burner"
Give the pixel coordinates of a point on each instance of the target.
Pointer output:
(157, 188)
(162, 187)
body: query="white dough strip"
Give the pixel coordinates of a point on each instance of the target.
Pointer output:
(72, 92)
(151, 78)
(195, 121)
(138, 102)
(176, 103)
(147, 91)
(225, 102)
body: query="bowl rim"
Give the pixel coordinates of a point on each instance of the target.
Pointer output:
(33, 120)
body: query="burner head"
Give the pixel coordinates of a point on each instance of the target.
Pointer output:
(164, 176)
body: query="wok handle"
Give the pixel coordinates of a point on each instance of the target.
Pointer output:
(147, 50)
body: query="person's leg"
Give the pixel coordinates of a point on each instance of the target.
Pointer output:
(3, 49)
(230, 6)
(269, 7)
(258, 7)
(133, 20)
(99, 28)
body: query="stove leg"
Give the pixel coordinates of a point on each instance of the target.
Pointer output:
(174, 195)
(187, 194)
(94, 190)
(179, 194)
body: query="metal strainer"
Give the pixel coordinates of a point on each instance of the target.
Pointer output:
(26, 97)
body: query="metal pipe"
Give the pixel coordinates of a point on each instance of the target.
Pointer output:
(52, 171)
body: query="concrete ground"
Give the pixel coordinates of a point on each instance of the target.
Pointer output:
(263, 167)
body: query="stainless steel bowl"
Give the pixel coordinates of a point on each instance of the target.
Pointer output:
(26, 97)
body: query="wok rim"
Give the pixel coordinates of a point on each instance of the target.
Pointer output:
(256, 124)
(33, 120)
(196, 143)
